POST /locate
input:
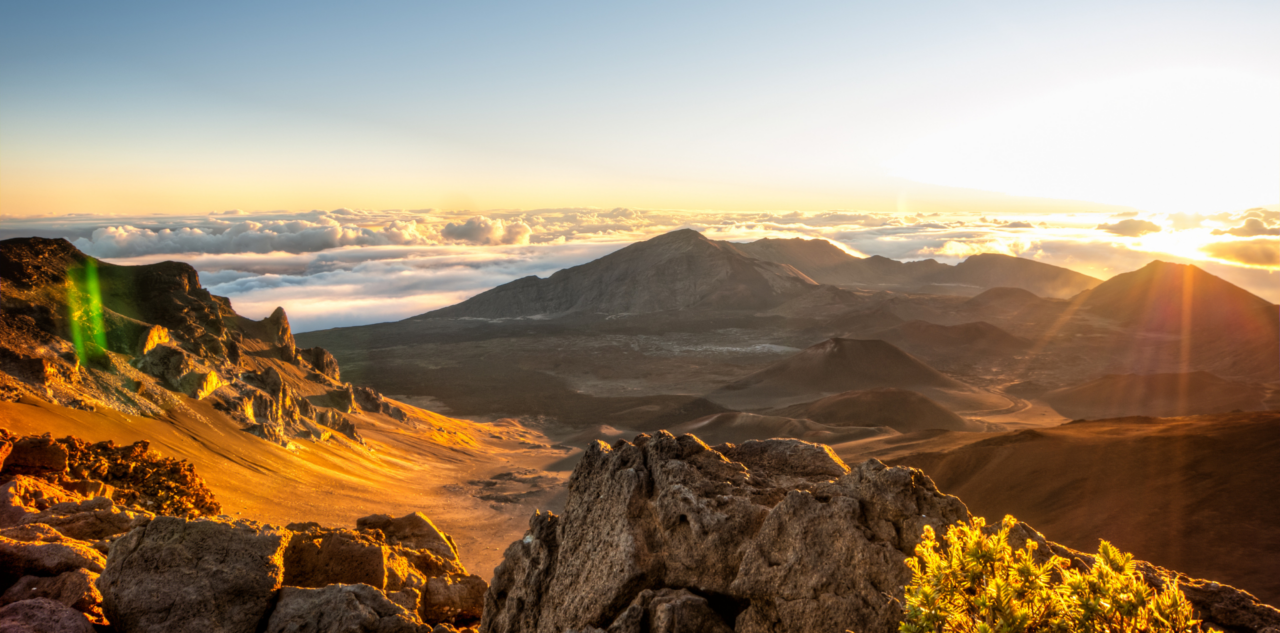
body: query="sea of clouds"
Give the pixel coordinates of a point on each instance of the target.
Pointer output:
(352, 267)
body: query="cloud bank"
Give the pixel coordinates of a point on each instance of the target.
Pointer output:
(349, 267)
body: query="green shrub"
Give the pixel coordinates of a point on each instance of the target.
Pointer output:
(979, 584)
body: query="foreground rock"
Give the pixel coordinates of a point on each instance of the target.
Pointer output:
(668, 534)
(340, 609)
(193, 576)
(41, 615)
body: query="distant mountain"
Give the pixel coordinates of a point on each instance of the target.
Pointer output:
(675, 271)
(1196, 320)
(978, 338)
(826, 263)
(838, 365)
(901, 410)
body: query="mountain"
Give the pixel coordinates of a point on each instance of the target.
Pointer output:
(1160, 395)
(838, 365)
(1181, 319)
(681, 270)
(901, 410)
(978, 338)
(826, 263)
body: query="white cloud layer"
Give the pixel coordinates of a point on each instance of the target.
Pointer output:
(350, 267)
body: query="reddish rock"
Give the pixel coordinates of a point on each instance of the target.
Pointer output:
(34, 455)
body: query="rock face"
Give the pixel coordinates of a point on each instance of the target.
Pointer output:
(187, 576)
(668, 534)
(735, 527)
(147, 340)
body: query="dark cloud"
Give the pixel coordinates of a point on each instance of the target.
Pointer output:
(1252, 227)
(1252, 252)
(1130, 228)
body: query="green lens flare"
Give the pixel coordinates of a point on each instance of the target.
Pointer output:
(84, 301)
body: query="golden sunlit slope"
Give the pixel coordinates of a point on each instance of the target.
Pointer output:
(1193, 494)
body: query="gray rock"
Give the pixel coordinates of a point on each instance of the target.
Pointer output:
(37, 550)
(76, 589)
(340, 609)
(797, 543)
(42, 615)
(180, 576)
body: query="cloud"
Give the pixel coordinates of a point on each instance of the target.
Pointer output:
(1251, 253)
(1130, 228)
(482, 230)
(1252, 227)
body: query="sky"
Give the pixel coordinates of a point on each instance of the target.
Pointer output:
(496, 139)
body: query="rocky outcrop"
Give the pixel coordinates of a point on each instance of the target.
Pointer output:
(669, 534)
(322, 361)
(182, 576)
(131, 475)
(75, 589)
(42, 615)
(280, 334)
(146, 340)
(408, 558)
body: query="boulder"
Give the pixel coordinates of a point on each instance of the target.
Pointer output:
(453, 598)
(340, 609)
(27, 495)
(317, 557)
(180, 576)
(38, 550)
(796, 543)
(91, 520)
(414, 531)
(155, 336)
(42, 615)
(36, 455)
(75, 589)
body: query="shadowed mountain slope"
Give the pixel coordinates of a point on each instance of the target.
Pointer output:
(1162, 395)
(677, 271)
(1193, 494)
(973, 339)
(901, 410)
(838, 365)
(1184, 319)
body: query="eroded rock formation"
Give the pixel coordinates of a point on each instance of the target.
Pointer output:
(114, 564)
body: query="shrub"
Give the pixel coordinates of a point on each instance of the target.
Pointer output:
(979, 584)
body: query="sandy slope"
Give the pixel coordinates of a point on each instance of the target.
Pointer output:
(1195, 494)
(403, 470)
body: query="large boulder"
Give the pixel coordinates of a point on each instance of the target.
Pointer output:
(794, 542)
(36, 455)
(42, 615)
(180, 576)
(38, 550)
(75, 588)
(340, 609)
